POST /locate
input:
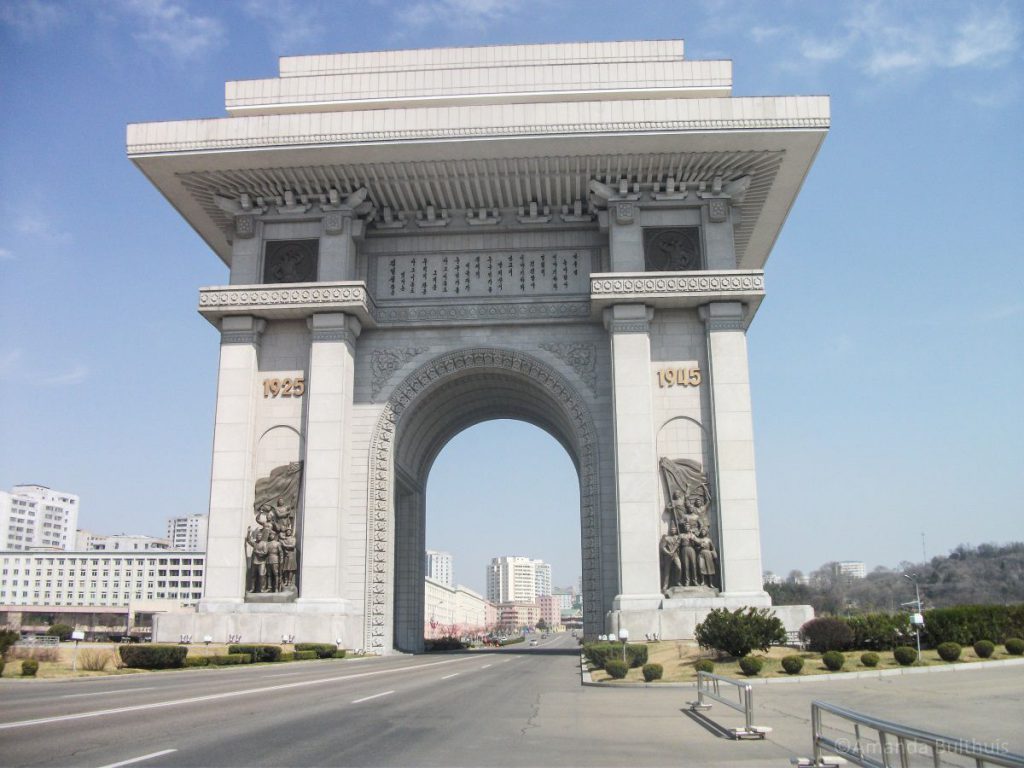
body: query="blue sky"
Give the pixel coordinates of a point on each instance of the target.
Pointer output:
(886, 361)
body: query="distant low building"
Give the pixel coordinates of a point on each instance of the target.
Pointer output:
(850, 569)
(457, 611)
(512, 616)
(119, 542)
(550, 609)
(771, 578)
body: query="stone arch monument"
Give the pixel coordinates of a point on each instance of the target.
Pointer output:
(417, 241)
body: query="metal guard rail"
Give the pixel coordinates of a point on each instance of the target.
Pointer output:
(709, 687)
(904, 736)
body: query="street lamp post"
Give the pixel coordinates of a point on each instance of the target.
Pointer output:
(916, 619)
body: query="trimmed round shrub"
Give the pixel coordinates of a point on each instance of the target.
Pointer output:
(737, 633)
(599, 653)
(305, 655)
(751, 665)
(197, 661)
(153, 656)
(616, 668)
(652, 672)
(704, 665)
(905, 655)
(63, 631)
(1014, 646)
(827, 634)
(792, 664)
(949, 651)
(870, 659)
(287, 656)
(834, 660)
(29, 667)
(339, 654)
(983, 649)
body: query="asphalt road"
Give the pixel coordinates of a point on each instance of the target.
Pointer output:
(518, 706)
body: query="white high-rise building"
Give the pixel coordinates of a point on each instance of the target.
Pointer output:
(439, 567)
(188, 532)
(517, 579)
(34, 516)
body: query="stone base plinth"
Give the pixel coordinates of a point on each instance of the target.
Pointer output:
(263, 623)
(676, 618)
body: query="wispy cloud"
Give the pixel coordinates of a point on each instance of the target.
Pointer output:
(292, 27)
(173, 29)
(73, 376)
(32, 18)
(885, 41)
(14, 368)
(36, 225)
(6, 255)
(474, 15)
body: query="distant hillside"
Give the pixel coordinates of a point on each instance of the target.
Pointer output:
(989, 573)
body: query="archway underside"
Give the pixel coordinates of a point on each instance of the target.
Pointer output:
(470, 387)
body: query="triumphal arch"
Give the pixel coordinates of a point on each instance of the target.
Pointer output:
(571, 235)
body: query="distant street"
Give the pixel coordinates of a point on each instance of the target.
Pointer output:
(515, 706)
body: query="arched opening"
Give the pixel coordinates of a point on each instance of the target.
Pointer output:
(434, 404)
(500, 488)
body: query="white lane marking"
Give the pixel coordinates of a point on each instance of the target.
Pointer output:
(225, 695)
(107, 693)
(375, 696)
(485, 666)
(139, 759)
(453, 674)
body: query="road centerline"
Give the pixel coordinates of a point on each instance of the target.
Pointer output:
(106, 693)
(140, 758)
(374, 696)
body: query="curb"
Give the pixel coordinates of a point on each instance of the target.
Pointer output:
(801, 679)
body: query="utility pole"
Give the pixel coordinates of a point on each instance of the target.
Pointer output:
(924, 554)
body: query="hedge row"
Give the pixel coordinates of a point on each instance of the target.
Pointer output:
(153, 656)
(259, 652)
(322, 650)
(962, 624)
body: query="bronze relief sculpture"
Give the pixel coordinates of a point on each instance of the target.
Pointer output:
(272, 551)
(689, 560)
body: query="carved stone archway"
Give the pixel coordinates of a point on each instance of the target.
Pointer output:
(486, 383)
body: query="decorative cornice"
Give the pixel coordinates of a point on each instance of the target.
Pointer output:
(629, 326)
(333, 334)
(468, 132)
(288, 301)
(241, 337)
(665, 283)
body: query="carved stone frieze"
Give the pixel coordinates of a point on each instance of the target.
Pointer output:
(290, 261)
(384, 362)
(245, 226)
(581, 357)
(453, 312)
(676, 249)
(380, 541)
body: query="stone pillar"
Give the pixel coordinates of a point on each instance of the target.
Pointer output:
(625, 237)
(232, 484)
(328, 411)
(732, 433)
(636, 461)
(338, 247)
